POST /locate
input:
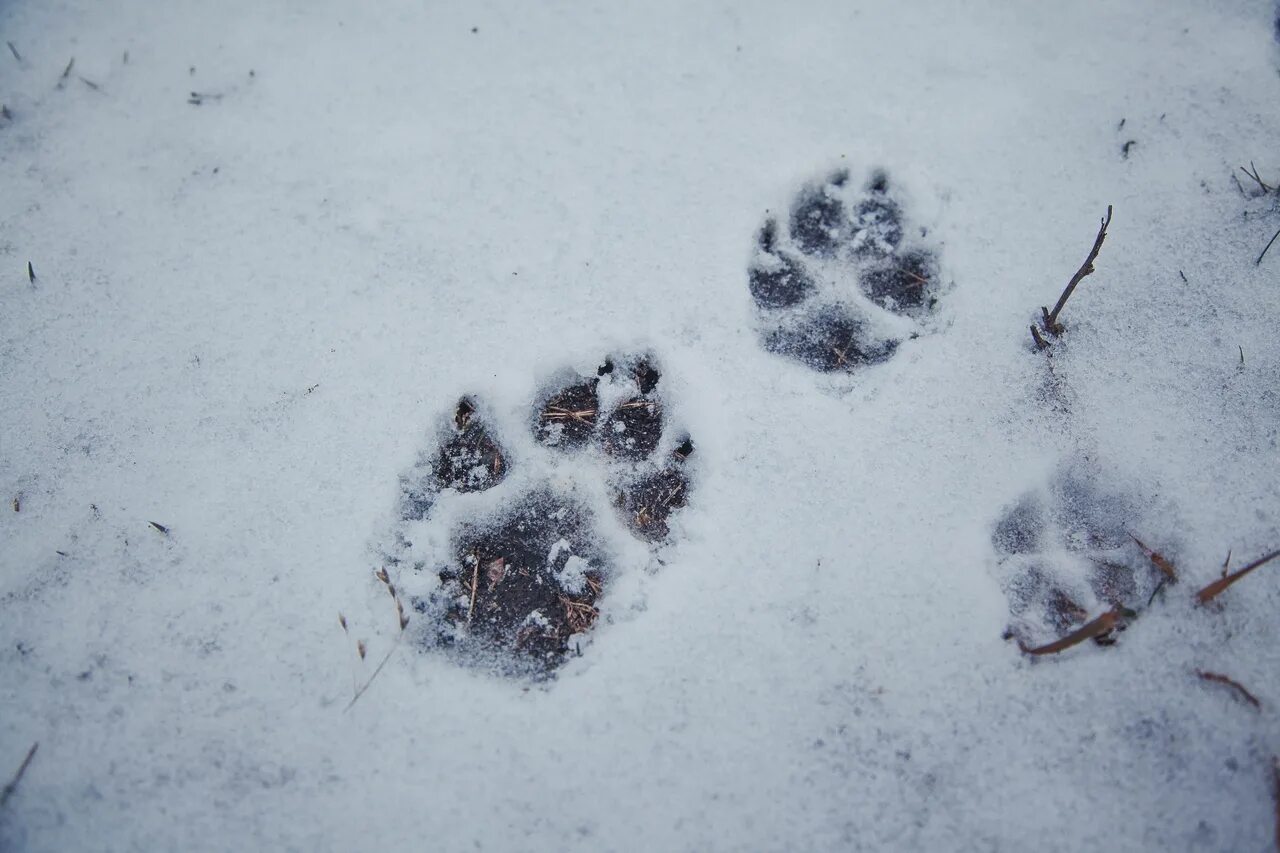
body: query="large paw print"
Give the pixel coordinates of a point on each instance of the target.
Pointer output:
(1070, 552)
(846, 280)
(507, 566)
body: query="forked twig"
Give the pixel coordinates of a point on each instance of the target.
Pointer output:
(1210, 592)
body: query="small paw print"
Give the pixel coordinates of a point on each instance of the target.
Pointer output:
(847, 280)
(1069, 552)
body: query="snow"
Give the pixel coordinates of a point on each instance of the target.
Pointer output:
(251, 316)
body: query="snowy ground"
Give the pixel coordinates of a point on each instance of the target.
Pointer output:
(251, 313)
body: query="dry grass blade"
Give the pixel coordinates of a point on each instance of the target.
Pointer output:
(1219, 678)
(1213, 590)
(1158, 560)
(1258, 262)
(1257, 178)
(556, 413)
(17, 777)
(369, 683)
(1102, 625)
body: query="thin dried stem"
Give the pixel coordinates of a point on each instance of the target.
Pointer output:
(1051, 324)
(1157, 560)
(1102, 625)
(1258, 262)
(1210, 592)
(17, 777)
(1219, 678)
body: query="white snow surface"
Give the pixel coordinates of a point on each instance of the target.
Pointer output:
(250, 316)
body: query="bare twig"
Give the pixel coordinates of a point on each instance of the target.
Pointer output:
(1102, 625)
(1219, 678)
(17, 777)
(1210, 592)
(1050, 323)
(1258, 262)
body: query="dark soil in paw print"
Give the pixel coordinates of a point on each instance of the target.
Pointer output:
(648, 500)
(829, 339)
(520, 583)
(469, 459)
(568, 417)
(818, 217)
(846, 261)
(1068, 553)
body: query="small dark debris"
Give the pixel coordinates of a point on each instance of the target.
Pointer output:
(159, 527)
(31, 273)
(1120, 126)
(92, 85)
(192, 71)
(5, 114)
(475, 29)
(685, 449)
(1126, 148)
(66, 72)
(1184, 278)
(14, 51)
(62, 553)
(17, 505)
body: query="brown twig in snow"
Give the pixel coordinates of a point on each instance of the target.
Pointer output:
(1158, 560)
(1050, 322)
(1210, 592)
(1102, 625)
(1239, 688)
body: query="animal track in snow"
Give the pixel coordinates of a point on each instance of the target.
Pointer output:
(513, 582)
(846, 278)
